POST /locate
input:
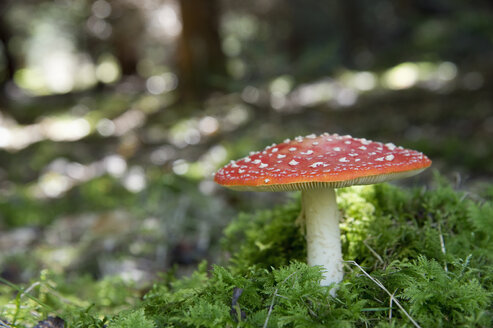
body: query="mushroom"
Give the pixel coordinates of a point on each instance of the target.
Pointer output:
(316, 165)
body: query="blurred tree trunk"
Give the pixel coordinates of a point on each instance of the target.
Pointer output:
(5, 35)
(8, 57)
(10, 61)
(128, 26)
(200, 60)
(352, 30)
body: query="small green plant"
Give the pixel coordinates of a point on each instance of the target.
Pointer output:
(131, 319)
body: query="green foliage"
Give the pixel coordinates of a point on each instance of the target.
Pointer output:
(80, 301)
(131, 319)
(22, 208)
(267, 238)
(430, 249)
(202, 301)
(83, 318)
(439, 297)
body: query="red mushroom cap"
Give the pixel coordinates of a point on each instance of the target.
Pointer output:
(330, 161)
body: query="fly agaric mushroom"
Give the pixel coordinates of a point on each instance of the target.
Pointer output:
(316, 165)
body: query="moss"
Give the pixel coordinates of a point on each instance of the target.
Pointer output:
(265, 239)
(131, 319)
(430, 249)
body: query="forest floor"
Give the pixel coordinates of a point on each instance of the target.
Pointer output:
(119, 184)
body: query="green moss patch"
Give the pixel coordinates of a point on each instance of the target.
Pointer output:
(413, 258)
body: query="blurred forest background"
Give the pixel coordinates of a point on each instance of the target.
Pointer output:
(115, 113)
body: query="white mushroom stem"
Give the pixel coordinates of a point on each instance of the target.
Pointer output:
(322, 233)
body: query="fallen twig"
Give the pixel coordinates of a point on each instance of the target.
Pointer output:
(379, 284)
(273, 298)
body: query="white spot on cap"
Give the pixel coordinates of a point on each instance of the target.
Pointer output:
(343, 160)
(257, 161)
(266, 180)
(347, 142)
(248, 159)
(311, 136)
(293, 163)
(274, 150)
(337, 148)
(308, 152)
(389, 157)
(292, 149)
(353, 154)
(299, 138)
(262, 165)
(233, 164)
(317, 164)
(315, 143)
(390, 146)
(380, 159)
(362, 148)
(241, 171)
(281, 156)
